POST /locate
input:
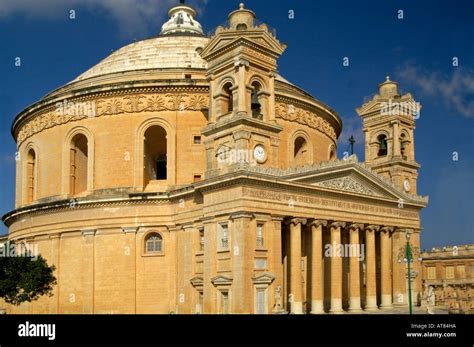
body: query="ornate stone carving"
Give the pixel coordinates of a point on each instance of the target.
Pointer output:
(387, 230)
(355, 227)
(296, 114)
(347, 184)
(372, 228)
(113, 105)
(317, 223)
(296, 221)
(338, 225)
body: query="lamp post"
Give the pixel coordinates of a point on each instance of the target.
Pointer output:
(408, 254)
(408, 259)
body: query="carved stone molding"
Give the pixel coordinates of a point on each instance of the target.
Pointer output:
(387, 229)
(354, 227)
(347, 184)
(318, 223)
(296, 221)
(242, 135)
(88, 232)
(338, 225)
(372, 228)
(299, 115)
(130, 230)
(114, 105)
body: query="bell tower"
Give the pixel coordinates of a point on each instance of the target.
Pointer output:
(242, 61)
(389, 124)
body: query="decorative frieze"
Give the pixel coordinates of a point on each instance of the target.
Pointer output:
(299, 115)
(347, 184)
(114, 105)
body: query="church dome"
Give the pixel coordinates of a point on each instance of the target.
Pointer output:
(176, 47)
(163, 52)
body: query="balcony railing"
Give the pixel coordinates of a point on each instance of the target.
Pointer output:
(260, 242)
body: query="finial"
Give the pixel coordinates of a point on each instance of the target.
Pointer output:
(241, 5)
(181, 2)
(387, 79)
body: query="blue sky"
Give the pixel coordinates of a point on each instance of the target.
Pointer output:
(417, 51)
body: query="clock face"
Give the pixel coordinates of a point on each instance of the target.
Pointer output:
(259, 153)
(406, 185)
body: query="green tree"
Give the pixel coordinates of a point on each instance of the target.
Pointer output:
(24, 278)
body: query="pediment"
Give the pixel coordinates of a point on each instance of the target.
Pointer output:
(262, 39)
(197, 281)
(352, 178)
(263, 279)
(349, 184)
(221, 280)
(369, 107)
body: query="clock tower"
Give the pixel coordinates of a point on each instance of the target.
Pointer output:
(242, 61)
(389, 124)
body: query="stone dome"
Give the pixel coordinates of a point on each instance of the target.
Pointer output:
(164, 52)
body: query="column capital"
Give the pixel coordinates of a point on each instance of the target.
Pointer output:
(130, 230)
(372, 228)
(355, 226)
(403, 230)
(241, 62)
(318, 223)
(296, 221)
(338, 224)
(387, 230)
(88, 232)
(241, 214)
(277, 218)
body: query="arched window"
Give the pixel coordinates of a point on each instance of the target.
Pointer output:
(155, 154)
(332, 153)
(300, 151)
(242, 27)
(79, 164)
(404, 146)
(227, 98)
(383, 149)
(256, 103)
(154, 243)
(30, 176)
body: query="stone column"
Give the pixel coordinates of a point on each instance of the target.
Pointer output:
(371, 284)
(277, 266)
(385, 271)
(396, 140)
(336, 268)
(296, 287)
(271, 99)
(354, 268)
(399, 283)
(415, 266)
(210, 266)
(243, 253)
(212, 100)
(242, 65)
(54, 307)
(88, 279)
(317, 278)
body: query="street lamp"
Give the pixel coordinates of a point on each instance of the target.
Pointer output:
(407, 254)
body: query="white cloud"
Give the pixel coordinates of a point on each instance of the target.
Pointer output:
(455, 91)
(133, 17)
